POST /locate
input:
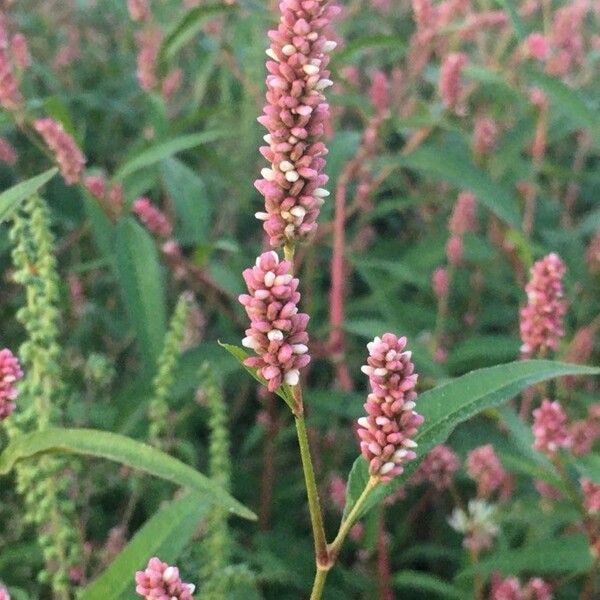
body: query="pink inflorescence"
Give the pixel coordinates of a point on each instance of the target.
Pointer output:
(10, 373)
(541, 319)
(277, 330)
(450, 84)
(295, 116)
(4, 595)
(591, 495)
(159, 581)
(387, 432)
(440, 282)
(511, 589)
(10, 96)
(485, 135)
(67, 154)
(485, 468)
(464, 215)
(438, 468)
(152, 217)
(8, 154)
(550, 428)
(148, 41)
(20, 50)
(139, 10)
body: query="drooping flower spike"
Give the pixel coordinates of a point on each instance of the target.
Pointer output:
(277, 330)
(295, 115)
(387, 432)
(159, 581)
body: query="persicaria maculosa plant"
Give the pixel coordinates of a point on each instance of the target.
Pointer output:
(426, 187)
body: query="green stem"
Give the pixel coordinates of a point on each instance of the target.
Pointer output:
(319, 584)
(348, 522)
(314, 506)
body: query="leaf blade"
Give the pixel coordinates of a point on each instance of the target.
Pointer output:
(13, 196)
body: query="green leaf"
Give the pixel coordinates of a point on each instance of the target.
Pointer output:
(191, 202)
(188, 27)
(441, 164)
(140, 279)
(517, 23)
(121, 449)
(12, 197)
(368, 43)
(418, 580)
(166, 149)
(456, 401)
(589, 467)
(568, 101)
(165, 535)
(566, 554)
(284, 392)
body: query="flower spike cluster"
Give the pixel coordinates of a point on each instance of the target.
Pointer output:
(438, 468)
(159, 581)
(152, 217)
(10, 373)
(277, 330)
(542, 318)
(550, 428)
(68, 156)
(295, 116)
(387, 432)
(486, 470)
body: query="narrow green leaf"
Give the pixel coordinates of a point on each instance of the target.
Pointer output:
(191, 202)
(241, 355)
(517, 23)
(443, 165)
(456, 401)
(566, 554)
(568, 101)
(12, 197)
(166, 149)
(140, 279)
(365, 43)
(188, 27)
(165, 535)
(430, 584)
(121, 449)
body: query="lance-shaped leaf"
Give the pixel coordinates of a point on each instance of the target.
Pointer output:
(12, 197)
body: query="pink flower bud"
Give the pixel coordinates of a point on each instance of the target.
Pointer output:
(485, 135)
(172, 83)
(148, 41)
(591, 496)
(139, 10)
(10, 96)
(379, 92)
(464, 215)
(454, 250)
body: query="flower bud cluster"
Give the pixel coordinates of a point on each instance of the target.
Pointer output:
(159, 581)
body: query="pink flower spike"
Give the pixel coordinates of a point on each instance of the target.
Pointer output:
(591, 496)
(387, 432)
(10, 373)
(295, 116)
(379, 92)
(550, 428)
(537, 45)
(541, 320)
(20, 51)
(450, 85)
(440, 282)
(8, 154)
(464, 215)
(485, 468)
(438, 468)
(148, 41)
(139, 10)
(485, 135)
(4, 595)
(155, 221)
(67, 154)
(10, 95)
(277, 330)
(159, 581)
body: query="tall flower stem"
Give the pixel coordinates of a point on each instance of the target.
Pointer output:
(314, 506)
